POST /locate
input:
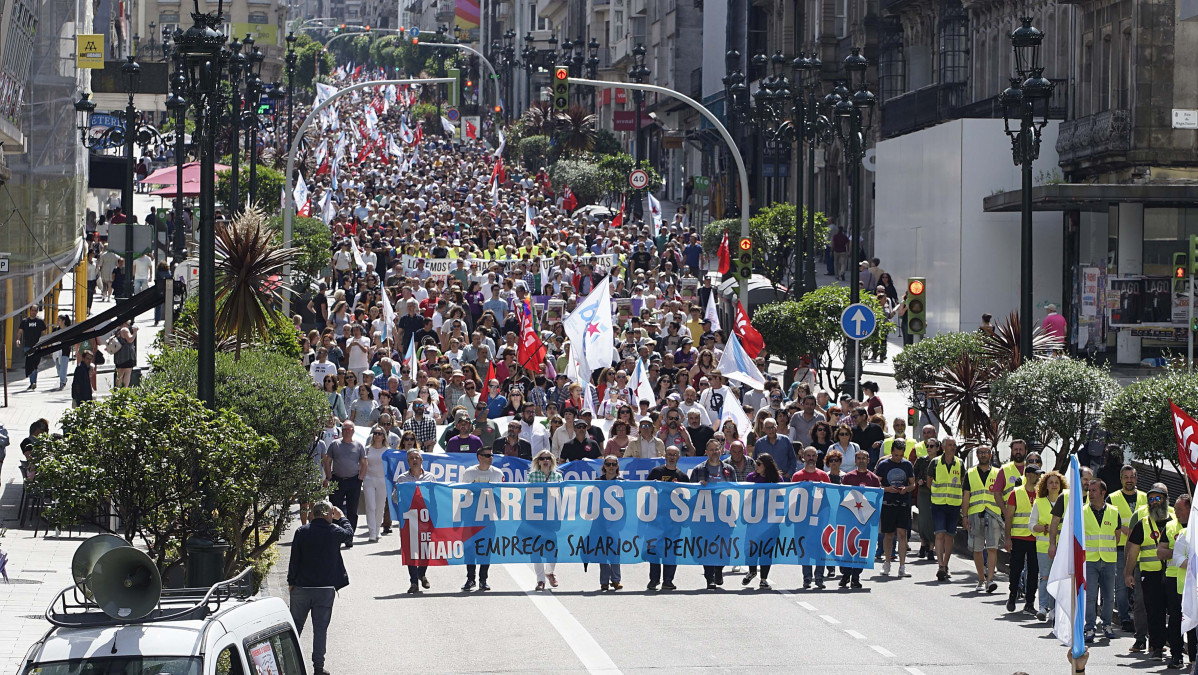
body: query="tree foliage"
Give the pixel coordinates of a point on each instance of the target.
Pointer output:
(274, 396)
(811, 327)
(916, 366)
(615, 170)
(771, 230)
(313, 61)
(269, 186)
(1138, 416)
(147, 452)
(583, 177)
(534, 152)
(281, 336)
(1052, 401)
(312, 240)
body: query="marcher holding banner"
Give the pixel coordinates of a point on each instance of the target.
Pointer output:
(545, 471)
(417, 574)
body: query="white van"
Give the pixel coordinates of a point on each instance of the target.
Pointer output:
(218, 631)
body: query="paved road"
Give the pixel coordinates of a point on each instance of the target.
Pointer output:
(913, 625)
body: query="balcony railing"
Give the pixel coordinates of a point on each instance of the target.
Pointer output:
(938, 103)
(1095, 140)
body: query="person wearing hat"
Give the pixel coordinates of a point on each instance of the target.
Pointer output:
(1151, 521)
(1054, 324)
(582, 446)
(865, 277)
(1020, 541)
(316, 572)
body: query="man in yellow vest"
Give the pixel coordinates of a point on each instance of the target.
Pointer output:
(1146, 535)
(947, 495)
(1006, 482)
(983, 518)
(1020, 541)
(1129, 500)
(1167, 551)
(1101, 522)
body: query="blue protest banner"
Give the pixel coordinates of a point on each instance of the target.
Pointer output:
(638, 521)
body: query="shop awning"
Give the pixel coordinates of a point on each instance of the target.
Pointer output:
(1097, 197)
(103, 323)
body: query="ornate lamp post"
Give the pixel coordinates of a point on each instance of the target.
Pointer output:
(638, 73)
(237, 62)
(291, 59)
(1026, 101)
(817, 130)
(737, 103)
(177, 104)
(853, 113)
(253, 89)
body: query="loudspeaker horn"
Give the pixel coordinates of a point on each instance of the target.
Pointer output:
(88, 553)
(125, 583)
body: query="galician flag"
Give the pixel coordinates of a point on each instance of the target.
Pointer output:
(1067, 579)
(709, 312)
(589, 328)
(654, 213)
(732, 410)
(735, 364)
(303, 205)
(409, 359)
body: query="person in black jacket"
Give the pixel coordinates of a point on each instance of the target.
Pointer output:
(316, 572)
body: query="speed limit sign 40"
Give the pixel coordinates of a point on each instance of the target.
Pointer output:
(638, 179)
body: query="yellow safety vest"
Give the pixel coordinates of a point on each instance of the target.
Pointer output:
(1100, 538)
(1172, 528)
(1149, 562)
(888, 442)
(1044, 517)
(946, 483)
(1011, 472)
(1119, 500)
(920, 450)
(980, 497)
(1020, 522)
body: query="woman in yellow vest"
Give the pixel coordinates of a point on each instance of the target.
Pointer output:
(947, 486)
(1049, 491)
(1020, 541)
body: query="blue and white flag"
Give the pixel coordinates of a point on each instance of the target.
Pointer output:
(1067, 578)
(590, 329)
(736, 364)
(642, 384)
(709, 312)
(389, 318)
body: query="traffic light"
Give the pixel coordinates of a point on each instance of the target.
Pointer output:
(743, 269)
(1181, 268)
(1194, 255)
(912, 418)
(561, 89)
(917, 307)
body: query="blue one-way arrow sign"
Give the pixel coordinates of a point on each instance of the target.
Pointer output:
(858, 321)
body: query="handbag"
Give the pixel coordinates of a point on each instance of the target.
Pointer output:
(112, 345)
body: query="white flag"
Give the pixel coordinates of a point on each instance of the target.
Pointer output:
(502, 145)
(654, 212)
(710, 313)
(642, 383)
(327, 210)
(1189, 596)
(300, 195)
(1064, 583)
(733, 411)
(589, 328)
(358, 261)
(388, 314)
(448, 126)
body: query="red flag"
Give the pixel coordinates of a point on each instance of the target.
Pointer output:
(725, 255)
(480, 411)
(618, 221)
(1184, 428)
(569, 201)
(531, 353)
(471, 130)
(749, 338)
(498, 173)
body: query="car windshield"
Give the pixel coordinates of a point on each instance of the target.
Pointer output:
(120, 665)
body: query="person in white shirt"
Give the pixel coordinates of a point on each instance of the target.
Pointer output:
(689, 402)
(483, 472)
(143, 268)
(532, 431)
(321, 367)
(357, 350)
(717, 396)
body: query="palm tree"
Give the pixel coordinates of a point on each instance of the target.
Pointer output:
(576, 129)
(249, 278)
(538, 119)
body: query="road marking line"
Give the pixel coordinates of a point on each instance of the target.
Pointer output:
(854, 634)
(584, 646)
(913, 670)
(830, 619)
(807, 606)
(883, 651)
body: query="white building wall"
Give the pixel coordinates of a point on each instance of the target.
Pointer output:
(929, 222)
(715, 31)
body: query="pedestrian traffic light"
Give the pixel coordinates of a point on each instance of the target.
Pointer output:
(561, 88)
(744, 260)
(1181, 268)
(912, 417)
(917, 307)
(1194, 255)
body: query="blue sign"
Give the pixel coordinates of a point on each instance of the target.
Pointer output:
(105, 120)
(858, 321)
(415, 32)
(638, 521)
(452, 114)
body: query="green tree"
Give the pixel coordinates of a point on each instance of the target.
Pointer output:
(312, 241)
(811, 327)
(281, 337)
(606, 143)
(136, 450)
(274, 396)
(582, 176)
(916, 366)
(534, 152)
(1052, 401)
(615, 170)
(312, 62)
(1138, 416)
(770, 230)
(268, 190)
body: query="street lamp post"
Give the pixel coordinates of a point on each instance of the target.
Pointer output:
(237, 62)
(1026, 100)
(639, 72)
(291, 59)
(253, 98)
(132, 72)
(593, 66)
(853, 115)
(818, 131)
(177, 104)
(736, 104)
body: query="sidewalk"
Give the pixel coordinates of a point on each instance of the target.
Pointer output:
(38, 568)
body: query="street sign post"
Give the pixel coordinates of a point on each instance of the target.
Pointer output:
(858, 323)
(638, 179)
(452, 114)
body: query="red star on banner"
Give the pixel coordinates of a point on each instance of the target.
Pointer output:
(593, 329)
(439, 538)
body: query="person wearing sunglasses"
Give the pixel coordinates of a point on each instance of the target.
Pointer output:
(923, 498)
(609, 573)
(765, 470)
(544, 470)
(581, 447)
(1151, 521)
(374, 483)
(483, 472)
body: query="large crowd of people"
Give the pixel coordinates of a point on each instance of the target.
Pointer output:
(439, 251)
